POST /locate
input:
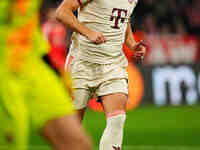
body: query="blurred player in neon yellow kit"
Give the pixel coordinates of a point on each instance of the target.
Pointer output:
(30, 92)
(5, 118)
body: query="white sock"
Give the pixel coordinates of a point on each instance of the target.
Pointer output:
(113, 134)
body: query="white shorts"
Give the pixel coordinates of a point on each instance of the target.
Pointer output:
(99, 79)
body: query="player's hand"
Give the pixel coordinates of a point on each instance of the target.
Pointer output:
(140, 51)
(96, 37)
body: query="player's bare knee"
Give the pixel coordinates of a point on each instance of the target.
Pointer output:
(114, 102)
(123, 99)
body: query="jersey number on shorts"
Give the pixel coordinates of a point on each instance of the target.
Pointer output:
(118, 16)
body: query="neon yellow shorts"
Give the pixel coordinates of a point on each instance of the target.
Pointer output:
(46, 96)
(14, 115)
(33, 96)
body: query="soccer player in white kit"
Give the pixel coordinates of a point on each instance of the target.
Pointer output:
(96, 59)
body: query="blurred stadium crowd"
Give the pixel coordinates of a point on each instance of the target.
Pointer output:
(171, 29)
(171, 16)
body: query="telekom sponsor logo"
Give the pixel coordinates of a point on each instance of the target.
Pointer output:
(118, 16)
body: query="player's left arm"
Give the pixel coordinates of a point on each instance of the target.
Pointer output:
(138, 47)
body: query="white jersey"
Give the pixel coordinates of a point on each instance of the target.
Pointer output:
(109, 17)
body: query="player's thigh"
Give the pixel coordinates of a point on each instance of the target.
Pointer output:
(81, 75)
(68, 133)
(80, 101)
(81, 98)
(114, 102)
(113, 95)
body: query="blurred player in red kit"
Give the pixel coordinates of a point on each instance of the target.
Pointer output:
(96, 59)
(55, 32)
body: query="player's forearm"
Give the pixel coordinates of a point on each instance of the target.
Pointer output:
(130, 42)
(67, 17)
(129, 38)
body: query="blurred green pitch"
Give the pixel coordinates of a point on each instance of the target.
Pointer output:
(148, 128)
